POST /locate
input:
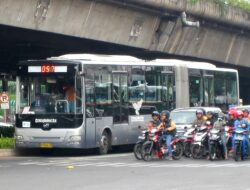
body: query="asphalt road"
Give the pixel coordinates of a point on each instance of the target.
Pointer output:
(120, 171)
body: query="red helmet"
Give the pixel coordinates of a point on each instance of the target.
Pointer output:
(240, 113)
(233, 112)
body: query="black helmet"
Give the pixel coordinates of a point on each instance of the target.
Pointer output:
(210, 113)
(166, 113)
(155, 113)
(199, 112)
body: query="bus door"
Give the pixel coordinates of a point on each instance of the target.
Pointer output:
(120, 106)
(168, 95)
(195, 88)
(208, 79)
(90, 128)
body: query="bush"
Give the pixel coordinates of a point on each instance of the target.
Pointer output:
(6, 143)
(7, 132)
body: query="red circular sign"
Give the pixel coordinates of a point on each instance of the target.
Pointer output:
(4, 97)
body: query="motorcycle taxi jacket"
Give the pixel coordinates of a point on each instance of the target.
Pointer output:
(169, 127)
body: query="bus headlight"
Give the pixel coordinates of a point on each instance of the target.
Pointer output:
(75, 138)
(19, 137)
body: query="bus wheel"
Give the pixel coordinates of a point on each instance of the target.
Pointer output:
(104, 143)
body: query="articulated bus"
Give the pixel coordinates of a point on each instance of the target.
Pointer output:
(110, 96)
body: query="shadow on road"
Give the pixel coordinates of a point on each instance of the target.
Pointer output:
(69, 152)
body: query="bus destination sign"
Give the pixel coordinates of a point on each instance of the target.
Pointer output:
(47, 68)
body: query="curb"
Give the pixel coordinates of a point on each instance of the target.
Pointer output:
(7, 152)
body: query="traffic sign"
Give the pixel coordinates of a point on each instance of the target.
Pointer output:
(4, 97)
(4, 100)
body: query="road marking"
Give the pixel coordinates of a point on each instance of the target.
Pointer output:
(136, 164)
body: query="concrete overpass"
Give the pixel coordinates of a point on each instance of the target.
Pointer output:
(145, 28)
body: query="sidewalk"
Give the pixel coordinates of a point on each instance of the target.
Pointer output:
(7, 152)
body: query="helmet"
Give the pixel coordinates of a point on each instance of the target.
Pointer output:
(240, 113)
(155, 113)
(233, 112)
(210, 113)
(245, 111)
(199, 112)
(166, 113)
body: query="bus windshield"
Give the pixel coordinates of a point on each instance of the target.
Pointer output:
(49, 94)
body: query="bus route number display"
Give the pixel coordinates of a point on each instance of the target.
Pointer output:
(47, 68)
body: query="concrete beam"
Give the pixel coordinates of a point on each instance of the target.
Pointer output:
(202, 8)
(124, 25)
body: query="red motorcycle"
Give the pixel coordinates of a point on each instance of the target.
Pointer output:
(229, 134)
(156, 146)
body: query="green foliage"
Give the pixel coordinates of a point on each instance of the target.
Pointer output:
(192, 2)
(243, 4)
(7, 132)
(6, 143)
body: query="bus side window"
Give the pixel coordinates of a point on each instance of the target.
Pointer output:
(232, 95)
(137, 85)
(103, 94)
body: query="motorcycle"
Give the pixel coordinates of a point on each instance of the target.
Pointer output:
(229, 134)
(141, 139)
(199, 147)
(156, 146)
(240, 151)
(215, 145)
(188, 139)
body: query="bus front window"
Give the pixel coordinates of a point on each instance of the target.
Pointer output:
(44, 95)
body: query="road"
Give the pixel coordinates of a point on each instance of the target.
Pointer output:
(120, 171)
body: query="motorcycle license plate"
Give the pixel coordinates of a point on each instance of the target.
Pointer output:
(141, 137)
(239, 138)
(214, 137)
(46, 145)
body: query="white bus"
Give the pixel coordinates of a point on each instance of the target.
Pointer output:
(110, 97)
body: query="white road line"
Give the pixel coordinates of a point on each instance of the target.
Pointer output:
(103, 156)
(239, 165)
(193, 165)
(82, 163)
(110, 164)
(28, 163)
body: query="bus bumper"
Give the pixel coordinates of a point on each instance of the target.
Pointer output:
(48, 140)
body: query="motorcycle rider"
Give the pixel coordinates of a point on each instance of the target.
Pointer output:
(199, 121)
(156, 120)
(220, 125)
(232, 116)
(246, 116)
(169, 130)
(241, 123)
(210, 118)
